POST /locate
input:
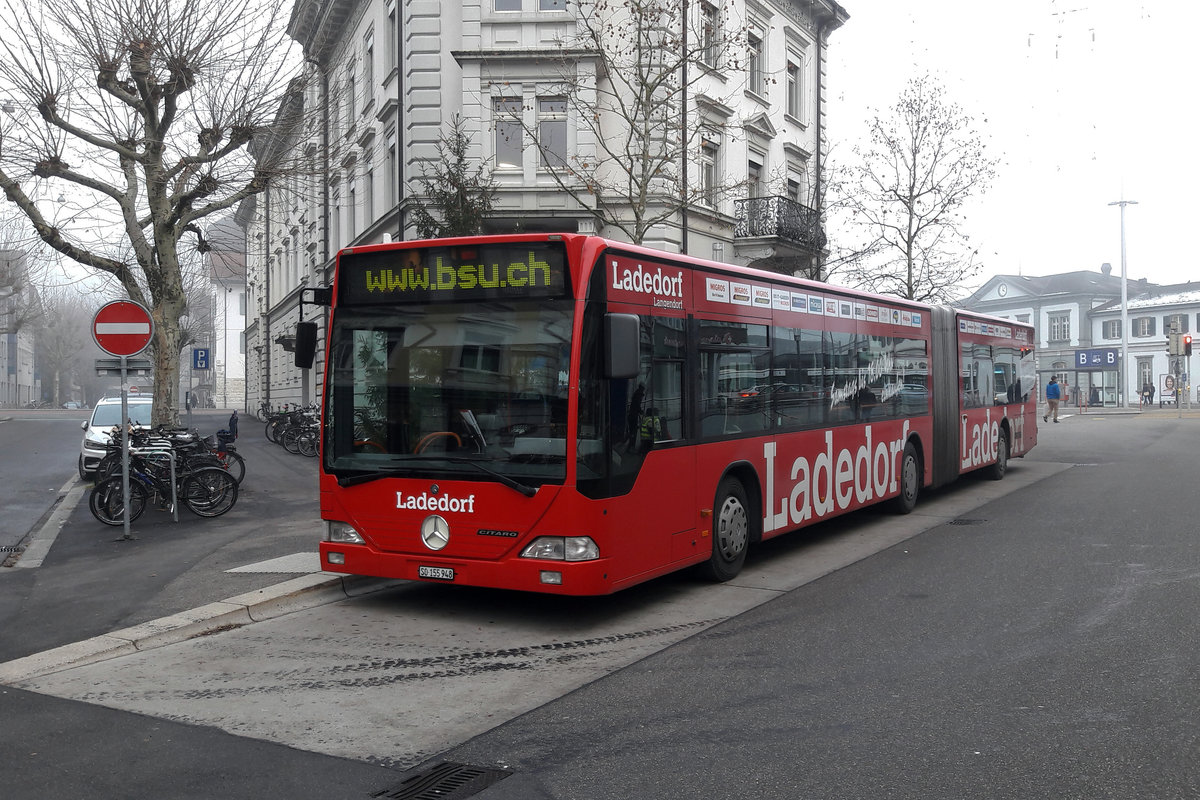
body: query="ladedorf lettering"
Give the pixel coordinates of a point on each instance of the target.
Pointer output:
(639, 280)
(428, 502)
(833, 479)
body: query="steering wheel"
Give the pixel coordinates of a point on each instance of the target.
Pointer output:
(430, 437)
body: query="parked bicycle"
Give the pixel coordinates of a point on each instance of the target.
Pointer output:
(191, 450)
(295, 428)
(206, 492)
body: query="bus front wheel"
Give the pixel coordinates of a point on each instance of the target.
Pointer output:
(730, 532)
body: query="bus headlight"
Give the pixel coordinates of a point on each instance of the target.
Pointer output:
(342, 532)
(562, 548)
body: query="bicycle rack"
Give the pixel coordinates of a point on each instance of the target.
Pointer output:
(170, 454)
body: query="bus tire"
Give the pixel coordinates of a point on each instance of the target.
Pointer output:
(910, 481)
(730, 533)
(996, 470)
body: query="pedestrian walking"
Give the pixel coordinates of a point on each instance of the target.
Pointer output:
(1053, 395)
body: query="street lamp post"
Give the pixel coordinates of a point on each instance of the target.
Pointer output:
(1124, 305)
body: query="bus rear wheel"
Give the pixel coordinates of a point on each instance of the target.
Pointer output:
(730, 531)
(997, 469)
(910, 481)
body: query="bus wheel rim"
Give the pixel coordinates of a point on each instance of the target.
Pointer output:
(733, 528)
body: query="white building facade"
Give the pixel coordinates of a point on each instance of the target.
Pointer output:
(19, 380)
(1078, 320)
(390, 76)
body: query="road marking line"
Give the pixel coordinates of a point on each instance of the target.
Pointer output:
(41, 542)
(296, 562)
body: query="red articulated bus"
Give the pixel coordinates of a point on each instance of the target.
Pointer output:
(563, 413)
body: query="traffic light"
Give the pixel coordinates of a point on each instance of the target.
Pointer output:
(1174, 344)
(1187, 345)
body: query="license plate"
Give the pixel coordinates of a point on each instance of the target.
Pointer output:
(437, 573)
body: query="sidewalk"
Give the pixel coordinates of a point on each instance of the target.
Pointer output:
(89, 596)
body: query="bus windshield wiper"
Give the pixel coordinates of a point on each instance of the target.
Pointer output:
(366, 477)
(511, 483)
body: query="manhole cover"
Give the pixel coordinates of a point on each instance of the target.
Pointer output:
(445, 781)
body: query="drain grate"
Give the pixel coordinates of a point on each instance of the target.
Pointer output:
(966, 522)
(445, 781)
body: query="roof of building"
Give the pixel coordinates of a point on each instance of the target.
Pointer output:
(1155, 296)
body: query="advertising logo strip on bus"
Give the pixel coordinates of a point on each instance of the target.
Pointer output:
(665, 288)
(980, 328)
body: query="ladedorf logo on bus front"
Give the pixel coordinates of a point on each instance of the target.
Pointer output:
(431, 502)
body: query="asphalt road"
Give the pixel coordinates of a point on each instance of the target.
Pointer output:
(39, 448)
(1037, 645)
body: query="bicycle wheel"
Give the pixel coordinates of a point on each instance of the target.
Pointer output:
(109, 465)
(288, 440)
(307, 443)
(208, 492)
(107, 504)
(234, 464)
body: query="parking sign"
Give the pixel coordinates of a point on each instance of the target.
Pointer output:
(199, 358)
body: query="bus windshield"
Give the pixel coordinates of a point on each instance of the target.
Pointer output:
(459, 390)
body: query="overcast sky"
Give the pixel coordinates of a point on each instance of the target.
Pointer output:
(1086, 102)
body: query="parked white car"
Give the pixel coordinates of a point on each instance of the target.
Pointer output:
(97, 430)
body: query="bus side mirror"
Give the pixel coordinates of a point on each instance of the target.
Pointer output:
(622, 334)
(306, 344)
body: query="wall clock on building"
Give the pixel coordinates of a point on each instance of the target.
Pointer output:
(1002, 289)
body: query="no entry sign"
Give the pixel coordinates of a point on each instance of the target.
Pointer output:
(122, 328)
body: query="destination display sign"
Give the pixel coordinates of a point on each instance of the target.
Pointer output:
(448, 274)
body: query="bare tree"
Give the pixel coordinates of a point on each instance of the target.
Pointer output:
(19, 260)
(66, 353)
(139, 114)
(459, 191)
(905, 193)
(628, 75)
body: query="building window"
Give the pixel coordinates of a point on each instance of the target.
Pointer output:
(794, 88)
(552, 132)
(1111, 329)
(710, 154)
(351, 100)
(754, 62)
(335, 218)
(1143, 326)
(507, 122)
(754, 175)
(1180, 321)
(508, 5)
(393, 175)
(552, 5)
(1145, 371)
(392, 30)
(1060, 327)
(369, 198)
(710, 31)
(369, 64)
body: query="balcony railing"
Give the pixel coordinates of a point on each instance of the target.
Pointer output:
(779, 217)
